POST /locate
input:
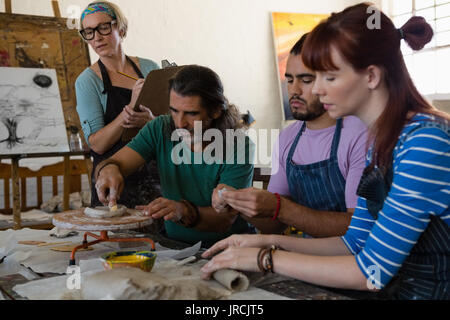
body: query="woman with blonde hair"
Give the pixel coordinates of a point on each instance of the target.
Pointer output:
(398, 242)
(105, 97)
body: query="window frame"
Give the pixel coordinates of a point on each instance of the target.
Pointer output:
(388, 7)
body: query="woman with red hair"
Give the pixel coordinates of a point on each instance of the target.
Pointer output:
(398, 242)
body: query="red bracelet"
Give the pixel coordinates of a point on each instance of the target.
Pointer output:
(278, 207)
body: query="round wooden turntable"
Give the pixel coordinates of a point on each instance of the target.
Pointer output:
(79, 221)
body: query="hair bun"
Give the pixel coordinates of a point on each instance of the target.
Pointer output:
(417, 32)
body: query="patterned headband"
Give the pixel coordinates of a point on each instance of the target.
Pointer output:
(98, 7)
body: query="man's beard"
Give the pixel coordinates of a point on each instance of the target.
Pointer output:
(313, 110)
(192, 136)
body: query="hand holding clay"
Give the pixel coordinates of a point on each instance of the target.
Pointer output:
(252, 202)
(109, 185)
(217, 201)
(164, 208)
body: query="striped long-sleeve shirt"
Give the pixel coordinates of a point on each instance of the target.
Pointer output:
(420, 188)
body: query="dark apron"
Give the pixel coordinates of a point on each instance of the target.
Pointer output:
(425, 273)
(318, 185)
(142, 186)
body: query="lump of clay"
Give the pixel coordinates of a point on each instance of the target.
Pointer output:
(105, 212)
(231, 279)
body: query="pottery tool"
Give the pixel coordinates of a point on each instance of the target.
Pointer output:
(69, 248)
(187, 260)
(31, 242)
(127, 75)
(53, 243)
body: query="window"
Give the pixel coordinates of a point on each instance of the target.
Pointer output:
(427, 66)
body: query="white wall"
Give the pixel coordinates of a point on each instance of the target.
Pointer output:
(233, 37)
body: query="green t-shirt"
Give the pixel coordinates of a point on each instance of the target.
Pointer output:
(194, 181)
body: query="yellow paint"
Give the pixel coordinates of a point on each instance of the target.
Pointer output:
(127, 259)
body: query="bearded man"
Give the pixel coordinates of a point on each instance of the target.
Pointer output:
(316, 167)
(188, 171)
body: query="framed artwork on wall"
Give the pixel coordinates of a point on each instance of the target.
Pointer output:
(287, 28)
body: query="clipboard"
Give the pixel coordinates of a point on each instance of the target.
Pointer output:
(154, 95)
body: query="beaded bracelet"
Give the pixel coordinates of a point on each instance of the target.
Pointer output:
(270, 258)
(261, 253)
(265, 259)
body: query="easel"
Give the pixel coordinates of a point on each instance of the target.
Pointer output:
(55, 5)
(66, 155)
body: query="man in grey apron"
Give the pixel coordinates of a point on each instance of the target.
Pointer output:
(316, 167)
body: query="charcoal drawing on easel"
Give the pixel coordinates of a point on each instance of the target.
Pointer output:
(31, 114)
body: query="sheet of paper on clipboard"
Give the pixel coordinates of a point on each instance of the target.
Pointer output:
(154, 94)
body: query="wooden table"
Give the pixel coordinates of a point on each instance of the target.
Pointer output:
(288, 287)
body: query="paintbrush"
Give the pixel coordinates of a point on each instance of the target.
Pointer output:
(127, 75)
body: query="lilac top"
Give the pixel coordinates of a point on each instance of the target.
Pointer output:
(316, 145)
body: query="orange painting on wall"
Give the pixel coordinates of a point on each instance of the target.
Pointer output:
(287, 29)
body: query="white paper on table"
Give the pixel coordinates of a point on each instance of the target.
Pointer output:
(43, 260)
(187, 252)
(55, 287)
(91, 265)
(48, 288)
(13, 256)
(43, 289)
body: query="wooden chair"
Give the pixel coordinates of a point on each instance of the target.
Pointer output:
(71, 178)
(261, 178)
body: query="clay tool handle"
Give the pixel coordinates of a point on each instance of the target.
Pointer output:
(52, 243)
(31, 242)
(187, 260)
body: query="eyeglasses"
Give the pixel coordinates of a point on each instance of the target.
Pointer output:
(103, 28)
